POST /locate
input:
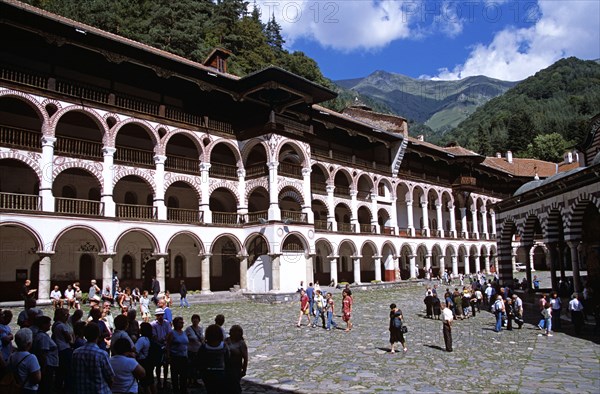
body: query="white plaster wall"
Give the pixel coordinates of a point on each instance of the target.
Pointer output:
(293, 270)
(259, 275)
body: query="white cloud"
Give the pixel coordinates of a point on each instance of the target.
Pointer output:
(563, 28)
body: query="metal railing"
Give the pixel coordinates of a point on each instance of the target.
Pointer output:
(69, 146)
(20, 202)
(290, 169)
(76, 206)
(218, 170)
(294, 216)
(346, 227)
(130, 211)
(182, 164)
(20, 138)
(181, 215)
(128, 156)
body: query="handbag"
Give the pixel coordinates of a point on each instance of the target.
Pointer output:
(404, 329)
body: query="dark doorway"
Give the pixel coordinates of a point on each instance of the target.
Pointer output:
(149, 273)
(86, 268)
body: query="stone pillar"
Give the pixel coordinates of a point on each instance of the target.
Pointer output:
(275, 272)
(409, 217)
(531, 257)
(467, 264)
(205, 197)
(527, 263)
(242, 208)
(573, 245)
(427, 263)
(550, 266)
(159, 181)
(243, 271)
(307, 196)
(424, 208)
(440, 220)
(331, 208)
(397, 275)
(333, 268)
(374, 222)
(394, 217)
(442, 264)
(205, 273)
(475, 225)
(47, 165)
(484, 223)
(493, 219)
(274, 211)
(463, 221)
(487, 265)
(107, 269)
(513, 256)
(413, 266)
(356, 269)
(553, 257)
(310, 270)
(377, 262)
(454, 265)
(45, 275)
(452, 221)
(107, 187)
(160, 269)
(354, 210)
(477, 264)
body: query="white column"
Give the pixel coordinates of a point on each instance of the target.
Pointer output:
(454, 265)
(475, 226)
(377, 262)
(493, 218)
(442, 264)
(477, 264)
(440, 220)
(487, 264)
(205, 197)
(425, 213)
(484, 223)
(310, 271)
(467, 264)
(160, 270)
(531, 256)
(356, 268)
(374, 221)
(243, 272)
(333, 269)
(47, 165)
(205, 273)
(463, 220)
(397, 275)
(413, 266)
(107, 269)
(513, 257)
(45, 275)
(107, 187)
(276, 272)
(354, 210)
(409, 217)
(427, 262)
(394, 216)
(331, 208)
(159, 181)
(452, 221)
(274, 211)
(307, 207)
(242, 207)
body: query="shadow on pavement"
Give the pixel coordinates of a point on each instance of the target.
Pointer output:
(436, 347)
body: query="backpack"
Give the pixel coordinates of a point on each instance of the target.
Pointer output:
(10, 382)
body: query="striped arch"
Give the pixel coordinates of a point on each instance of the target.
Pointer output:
(360, 175)
(289, 189)
(233, 238)
(94, 168)
(300, 237)
(162, 146)
(31, 162)
(142, 123)
(93, 231)
(555, 220)
(250, 144)
(415, 189)
(189, 180)
(148, 234)
(41, 247)
(368, 207)
(389, 185)
(191, 234)
(225, 185)
(323, 168)
(38, 108)
(295, 146)
(390, 245)
(528, 229)
(251, 186)
(346, 172)
(574, 223)
(253, 236)
(230, 144)
(370, 244)
(145, 175)
(93, 114)
(507, 229)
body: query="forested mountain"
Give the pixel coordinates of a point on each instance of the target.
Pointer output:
(438, 105)
(549, 111)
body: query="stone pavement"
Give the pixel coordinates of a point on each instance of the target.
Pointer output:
(284, 358)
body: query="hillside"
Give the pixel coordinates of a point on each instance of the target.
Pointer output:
(440, 105)
(559, 99)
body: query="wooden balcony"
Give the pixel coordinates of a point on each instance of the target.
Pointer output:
(257, 171)
(230, 218)
(20, 138)
(255, 217)
(132, 156)
(364, 195)
(318, 188)
(182, 164)
(290, 170)
(368, 229)
(218, 170)
(346, 227)
(24, 77)
(84, 91)
(294, 216)
(140, 212)
(341, 191)
(137, 104)
(74, 206)
(75, 147)
(323, 225)
(181, 215)
(20, 202)
(387, 230)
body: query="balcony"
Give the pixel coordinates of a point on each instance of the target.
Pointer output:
(180, 215)
(387, 230)
(79, 207)
(341, 191)
(318, 188)
(367, 229)
(257, 217)
(20, 202)
(137, 104)
(346, 227)
(182, 164)
(129, 156)
(294, 216)
(84, 91)
(20, 138)
(75, 147)
(225, 171)
(230, 218)
(257, 171)
(139, 212)
(364, 195)
(323, 225)
(290, 170)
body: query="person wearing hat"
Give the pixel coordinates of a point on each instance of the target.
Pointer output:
(94, 289)
(160, 330)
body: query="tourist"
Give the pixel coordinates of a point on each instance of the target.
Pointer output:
(576, 310)
(94, 289)
(220, 321)
(92, 372)
(396, 333)
(330, 308)
(142, 350)
(115, 284)
(127, 370)
(121, 324)
(104, 335)
(126, 299)
(6, 336)
(304, 308)
(133, 326)
(195, 336)
(78, 331)
(428, 301)
(135, 296)
(536, 282)
(435, 304)
(556, 304)
(489, 294)
(183, 302)
(56, 297)
(588, 301)
(78, 295)
(26, 291)
(518, 310)
(547, 314)
(162, 303)
(145, 306)
(63, 336)
(542, 305)
(24, 363)
(238, 358)
(167, 299)
(466, 302)
(46, 351)
(160, 329)
(70, 296)
(310, 292)
(320, 304)
(107, 295)
(29, 313)
(177, 353)
(74, 318)
(347, 302)
(510, 313)
(155, 290)
(214, 357)
(499, 310)
(457, 300)
(107, 316)
(447, 319)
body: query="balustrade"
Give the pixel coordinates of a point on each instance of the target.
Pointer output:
(76, 206)
(257, 171)
(218, 170)
(76, 147)
(129, 211)
(318, 188)
(341, 191)
(346, 227)
(367, 228)
(83, 91)
(294, 216)
(255, 217)
(290, 169)
(136, 104)
(387, 230)
(323, 225)
(231, 218)
(181, 215)
(182, 164)
(20, 202)
(24, 77)
(127, 156)
(20, 138)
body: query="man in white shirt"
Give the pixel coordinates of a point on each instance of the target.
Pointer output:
(518, 307)
(70, 296)
(447, 319)
(56, 297)
(576, 309)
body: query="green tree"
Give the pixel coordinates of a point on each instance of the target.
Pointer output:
(484, 146)
(273, 33)
(548, 147)
(520, 130)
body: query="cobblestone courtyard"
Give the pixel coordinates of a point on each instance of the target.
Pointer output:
(284, 358)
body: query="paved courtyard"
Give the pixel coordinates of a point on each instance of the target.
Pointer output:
(284, 358)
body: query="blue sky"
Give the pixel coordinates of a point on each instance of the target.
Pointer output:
(504, 39)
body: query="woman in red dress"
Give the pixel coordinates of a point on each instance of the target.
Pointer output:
(304, 308)
(347, 308)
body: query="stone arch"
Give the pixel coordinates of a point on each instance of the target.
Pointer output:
(450, 250)
(249, 145)
(371, 244)
(193, 136)
(234, 148)
(255, 184)
(388, 185)
(345, 172)
(391, 246)
(41, 247)
(93, 114)
(29, 100)
(295, 147)
(191, 235)
(347, 242)
(92, 230)
(142, 123)
(93, 168)
(369, 180)
(300, 237)
(290, 189)
(31, 162)
(251, 238)
(153, 240)
(575, 214)
(532, 224)
(233, 238)
(225, 185)
(145, 175)
(324, 169)
(190, 181)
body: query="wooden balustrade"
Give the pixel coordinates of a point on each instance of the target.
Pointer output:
(257, 171)
(181, 215)
(20, 202)
(323, 225)
(318, 188)
(218, 170)
(76, 206)
(292, 126)
(363, 195)
(254, 217)
(76, 147)
(346, 227)
(183, 117)
(83, 91)
(341, 191)
(136, 104)
(387, 230)
(218, 125)
(367, 229)
(128, 156)
(24, 77)
(129, 211)
(321, 152)
(231, 218)
(182, 164)
(20, 138)
(294, 216)
(290, 169)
